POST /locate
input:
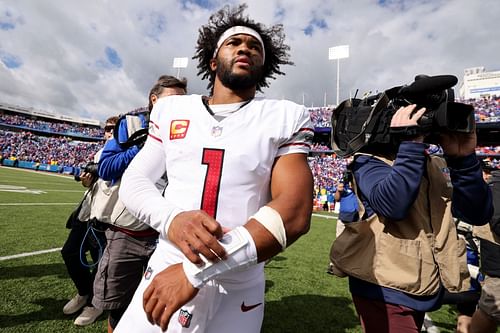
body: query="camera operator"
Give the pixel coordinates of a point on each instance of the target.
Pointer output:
(82, 238)
(404, 252)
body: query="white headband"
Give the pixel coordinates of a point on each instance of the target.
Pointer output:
(236, 30)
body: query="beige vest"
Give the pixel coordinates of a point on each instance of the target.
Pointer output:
(415, 255)
(484, 232)
(107, 207)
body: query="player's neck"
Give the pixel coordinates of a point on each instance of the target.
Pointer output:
(225, 95)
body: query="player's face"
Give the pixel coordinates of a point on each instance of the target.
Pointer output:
(239, 62)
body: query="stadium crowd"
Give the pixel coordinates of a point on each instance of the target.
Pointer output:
(50, 126)
(485, 109)
(62, 151)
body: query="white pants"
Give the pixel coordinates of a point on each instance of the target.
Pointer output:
(214, 309)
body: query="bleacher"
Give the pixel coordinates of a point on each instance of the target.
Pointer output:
(40, 140)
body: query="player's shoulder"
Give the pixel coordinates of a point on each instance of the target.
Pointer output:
(280, 109)
(282, 104)
(174, 103)
(177, 99)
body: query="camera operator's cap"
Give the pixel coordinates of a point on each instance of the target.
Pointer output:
(236, 30)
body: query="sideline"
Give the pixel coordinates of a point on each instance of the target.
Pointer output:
(27, 254)
(40, 172)
(324, 216)
(39, 204)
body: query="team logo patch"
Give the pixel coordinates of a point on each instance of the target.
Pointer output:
(178, 129)
(148, 273)
(185, 318)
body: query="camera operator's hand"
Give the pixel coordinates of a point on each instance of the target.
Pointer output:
(87, 179)
(405, 117)
(456, 144)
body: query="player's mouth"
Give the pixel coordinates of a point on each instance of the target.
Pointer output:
(242, 61)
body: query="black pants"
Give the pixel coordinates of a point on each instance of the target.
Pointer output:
(82, 276)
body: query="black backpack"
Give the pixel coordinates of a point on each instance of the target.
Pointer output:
(358, 123)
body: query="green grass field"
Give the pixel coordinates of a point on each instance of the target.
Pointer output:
(300, 296)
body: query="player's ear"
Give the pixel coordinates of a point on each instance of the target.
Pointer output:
(153, 98)
(213, 64)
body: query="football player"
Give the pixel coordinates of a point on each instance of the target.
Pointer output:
(240, 188)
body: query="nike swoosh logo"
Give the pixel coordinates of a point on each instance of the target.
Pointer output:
(245, 308)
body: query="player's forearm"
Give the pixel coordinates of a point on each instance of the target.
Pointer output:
(139, 193)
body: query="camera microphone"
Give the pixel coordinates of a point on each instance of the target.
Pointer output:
(424, 84)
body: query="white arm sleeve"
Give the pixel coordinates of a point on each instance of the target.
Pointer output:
(139, 193)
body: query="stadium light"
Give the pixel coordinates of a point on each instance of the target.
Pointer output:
(337, 53)
(180, 63)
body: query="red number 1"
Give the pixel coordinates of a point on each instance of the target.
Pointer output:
(213, 158)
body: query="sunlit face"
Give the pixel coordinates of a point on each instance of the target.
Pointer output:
(239, 62)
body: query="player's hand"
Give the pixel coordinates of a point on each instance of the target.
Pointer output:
(456, 144)
(167, 292)
(195, 232)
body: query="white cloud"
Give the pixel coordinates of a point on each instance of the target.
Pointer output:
(60, 42)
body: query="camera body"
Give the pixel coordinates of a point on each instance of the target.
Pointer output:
(442, 112)
(365, 123)
(91, 168)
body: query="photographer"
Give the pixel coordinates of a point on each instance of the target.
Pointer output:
(82, 238)
(404, 252)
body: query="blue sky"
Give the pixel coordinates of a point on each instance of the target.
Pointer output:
(94, 59)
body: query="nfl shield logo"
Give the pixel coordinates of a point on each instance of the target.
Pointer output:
(185, 318)
(216, 131)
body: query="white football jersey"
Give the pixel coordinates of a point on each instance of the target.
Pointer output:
(224, 167)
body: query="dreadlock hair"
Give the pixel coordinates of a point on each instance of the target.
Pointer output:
(227, 17)
(166, 81)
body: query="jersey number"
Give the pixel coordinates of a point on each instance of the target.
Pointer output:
(213, 159)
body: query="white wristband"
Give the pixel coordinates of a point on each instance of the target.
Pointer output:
(272, 221)
(241, 253)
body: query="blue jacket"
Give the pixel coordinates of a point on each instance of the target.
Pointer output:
(348, 211)
(115, 159)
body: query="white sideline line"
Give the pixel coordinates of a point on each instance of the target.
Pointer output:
(323, 216)
(39, 204)
(27, 254)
